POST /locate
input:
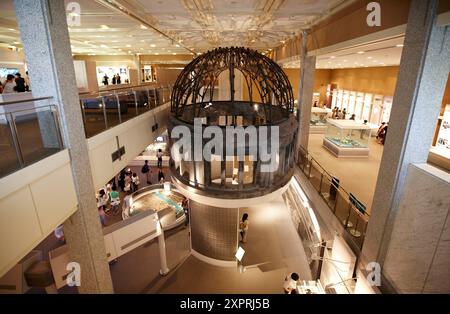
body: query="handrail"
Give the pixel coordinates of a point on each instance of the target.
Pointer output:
(340, 188)
(12, 102)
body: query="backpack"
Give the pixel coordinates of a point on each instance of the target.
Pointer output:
(145, 169)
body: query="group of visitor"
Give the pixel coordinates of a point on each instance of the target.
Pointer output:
(108, 200)
(116, 80)
(15, 84)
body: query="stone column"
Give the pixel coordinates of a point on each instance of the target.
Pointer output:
(421, 82)
(45, 37)
(137, 64)
(305, 93)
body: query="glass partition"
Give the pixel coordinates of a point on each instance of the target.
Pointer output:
(29, 133)
(350, 213)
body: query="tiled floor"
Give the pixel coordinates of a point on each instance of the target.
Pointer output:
(273, 249)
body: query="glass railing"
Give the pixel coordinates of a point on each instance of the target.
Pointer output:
(349, 211)
(30, 131)
(108, 109)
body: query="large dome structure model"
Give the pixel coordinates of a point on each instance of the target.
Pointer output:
(237, 92)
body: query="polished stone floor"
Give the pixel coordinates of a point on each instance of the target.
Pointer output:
(357, 175)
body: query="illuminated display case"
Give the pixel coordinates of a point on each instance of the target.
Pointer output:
(377, 108)
(347, 138)
(387, 106)
(334, 99)
(367, 107)
(318, 121)
(345, 100)
(351, 103)
(359, 105)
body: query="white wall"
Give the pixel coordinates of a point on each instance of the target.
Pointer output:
(32, 203)
(135, 135)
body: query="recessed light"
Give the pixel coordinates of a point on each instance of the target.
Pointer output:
(400, 45)
(103, 46)
(128, 46)
(153, 45)
(174, 53)
(369, 57)
(142, 40)
(156, 53)
(143, 27)
(332, 57)
(11, 29)
(104, 26)
(177, 45)
(361, 52)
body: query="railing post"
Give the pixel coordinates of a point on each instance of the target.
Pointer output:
(104, 112)
(118, 108)
(13, 128)
(136, 103)
(54, 109)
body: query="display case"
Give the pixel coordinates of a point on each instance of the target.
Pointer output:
(367, 107)
(345, 100)
(359, 105)
(347, 138)
(318, 122)
(440, 154)
(334, 98)
(340, 97)
(377, 108)
(351, 103)
(387, 106)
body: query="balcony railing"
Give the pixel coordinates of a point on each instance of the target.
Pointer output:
(29, 132)
(108, 109)
(350, 212)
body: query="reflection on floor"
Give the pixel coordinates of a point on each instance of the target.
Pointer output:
(273, 249)
(357, 175)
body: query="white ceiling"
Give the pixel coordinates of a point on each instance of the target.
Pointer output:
(198, 25)
(386, 52)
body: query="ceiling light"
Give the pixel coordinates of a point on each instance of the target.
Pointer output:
(360, 52)
(153, 45)
(174, 53)
(282, 41)
(103, 46)
(142, 40)
(369, 58)
(399, 45)
(128, 46)
(143, 27)
(86, 42)
(332, 57)
(177, 45)
(11, 29)
(104, 26)
(156, 53)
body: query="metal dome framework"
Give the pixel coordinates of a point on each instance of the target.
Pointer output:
(266, 84)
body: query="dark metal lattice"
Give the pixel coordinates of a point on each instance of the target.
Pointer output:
(266, 82)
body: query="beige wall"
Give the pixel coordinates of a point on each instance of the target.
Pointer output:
(166, 76)
(12, 59)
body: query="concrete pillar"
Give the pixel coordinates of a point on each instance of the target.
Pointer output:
(137, 64)
(162, 254)
(45, 37)
(305, 94)
(420, 86)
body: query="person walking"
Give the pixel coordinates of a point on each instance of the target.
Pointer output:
(243, 228)
(290, 283)
(135, 182)
(146, 170)
(127, 185)
(159, 155)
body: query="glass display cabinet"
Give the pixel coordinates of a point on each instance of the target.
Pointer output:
(359, 105)
(351, 103)
(345, 100)
(347, 138)
(367, 107)
(377, 108)
(387, 106)
(318, 122)
(334, 98)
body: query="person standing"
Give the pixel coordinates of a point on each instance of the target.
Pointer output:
(290, 283)
(9, 86)
(113, 81)
(146, 170)
(159, 155)
(127, 187)
(243, 228)
(122, 180)
(344, 114)
(20, 83)
(27, 82)
(118, 79)
(135, 181)
(185, 206)
(160, 176)
(105, 80)
(114, 199)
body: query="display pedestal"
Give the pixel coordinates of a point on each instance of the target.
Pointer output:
(345, 152)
